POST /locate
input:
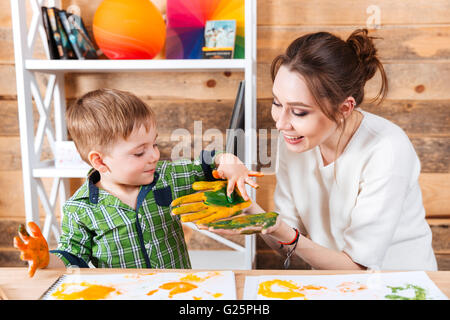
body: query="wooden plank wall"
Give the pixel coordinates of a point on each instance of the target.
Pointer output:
(415, 51)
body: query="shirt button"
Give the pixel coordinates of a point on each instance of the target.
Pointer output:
(140, 216)
(147, 246)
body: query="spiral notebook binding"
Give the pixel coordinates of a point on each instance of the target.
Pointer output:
(52, 288)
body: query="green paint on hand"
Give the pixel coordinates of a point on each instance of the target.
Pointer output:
(420, 293)
(219, 198)
(23, 230)
(247, 224)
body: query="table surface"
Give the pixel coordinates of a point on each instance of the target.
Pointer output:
(16, 284)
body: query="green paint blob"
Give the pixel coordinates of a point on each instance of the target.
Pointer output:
(420, 293)
(23, 230)
(251, 221)
(219, 198)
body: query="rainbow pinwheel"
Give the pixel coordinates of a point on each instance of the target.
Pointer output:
(186, 22)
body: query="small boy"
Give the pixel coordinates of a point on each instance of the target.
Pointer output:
(120, 217)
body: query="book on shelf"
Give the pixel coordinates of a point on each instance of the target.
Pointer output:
(67, 28)
(82, 38)
(67, 156)
(82, 48)
(62, 43)
(66, 35)
(53, 50)
(220, 37)
(54, 32)
(64, 38)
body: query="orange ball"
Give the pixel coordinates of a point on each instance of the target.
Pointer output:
(129, 29)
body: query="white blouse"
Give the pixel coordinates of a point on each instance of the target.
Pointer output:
(367, 203)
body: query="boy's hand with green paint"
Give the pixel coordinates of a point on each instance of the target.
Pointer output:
(210, 209)
(210, 205)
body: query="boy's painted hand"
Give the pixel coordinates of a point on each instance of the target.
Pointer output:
(232, 169)
(33, 248)
(209, 205)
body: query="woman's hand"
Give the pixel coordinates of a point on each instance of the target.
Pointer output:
(231, 168)
(209, 205)
(253, 220)
(209, 209)
(244, 224)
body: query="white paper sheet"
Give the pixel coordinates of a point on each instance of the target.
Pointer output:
(369, 286)
(213, 285)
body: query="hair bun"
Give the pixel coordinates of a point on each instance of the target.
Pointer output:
(365, 50)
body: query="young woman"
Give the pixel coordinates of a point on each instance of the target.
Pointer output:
(347, 180)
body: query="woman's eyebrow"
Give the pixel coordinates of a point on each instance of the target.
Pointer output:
(298, 104)
(295, 103)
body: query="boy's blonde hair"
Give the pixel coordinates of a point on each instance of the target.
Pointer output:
(100, 117)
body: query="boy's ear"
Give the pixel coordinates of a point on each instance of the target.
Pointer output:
(96, 160)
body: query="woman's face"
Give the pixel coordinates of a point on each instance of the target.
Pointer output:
(298, 118)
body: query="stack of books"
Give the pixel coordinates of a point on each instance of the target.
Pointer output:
(66, 35)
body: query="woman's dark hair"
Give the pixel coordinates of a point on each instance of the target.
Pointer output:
(334, 69)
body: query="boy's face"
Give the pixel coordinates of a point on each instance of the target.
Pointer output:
(133, 161)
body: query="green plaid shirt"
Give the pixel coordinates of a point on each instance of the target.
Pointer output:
(99, 228)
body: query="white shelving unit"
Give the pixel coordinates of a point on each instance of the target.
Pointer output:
(241, 257)
(52, 66)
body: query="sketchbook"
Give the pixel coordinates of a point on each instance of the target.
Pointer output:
(414, 285)
(212, 285)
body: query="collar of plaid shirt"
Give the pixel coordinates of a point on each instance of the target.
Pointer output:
(96, 197)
